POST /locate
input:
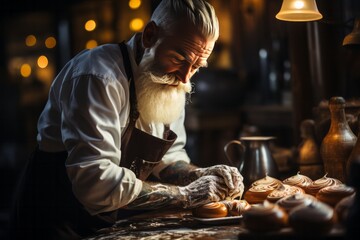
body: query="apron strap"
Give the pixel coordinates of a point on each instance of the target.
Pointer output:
(134, 114)
(166, 131)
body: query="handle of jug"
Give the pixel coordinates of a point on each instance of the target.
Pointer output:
(226, 148)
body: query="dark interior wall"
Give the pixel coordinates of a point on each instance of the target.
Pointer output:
(259, 49)
(311, 53)
(321, 66)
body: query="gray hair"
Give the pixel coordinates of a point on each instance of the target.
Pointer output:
(198, 12)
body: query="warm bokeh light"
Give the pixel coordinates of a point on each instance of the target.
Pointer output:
(50, 42)
(136, 24)
(25, 70)
(45, 75)
(90, 25)
(42, 61)
(30, 40)
(134, 4)
(106, 35)
(91, 44)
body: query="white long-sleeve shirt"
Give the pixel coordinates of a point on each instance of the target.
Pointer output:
(86, 113)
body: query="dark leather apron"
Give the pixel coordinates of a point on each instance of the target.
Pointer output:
(45, 206)
(140, 151)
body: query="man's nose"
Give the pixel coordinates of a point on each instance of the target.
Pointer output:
(184, 74)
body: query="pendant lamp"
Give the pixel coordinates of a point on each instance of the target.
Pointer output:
(299, 11)
(353, 38)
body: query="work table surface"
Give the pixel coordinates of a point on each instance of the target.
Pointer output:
(178, 224)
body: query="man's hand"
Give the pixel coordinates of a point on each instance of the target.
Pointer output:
(231, 176)
(203, 190)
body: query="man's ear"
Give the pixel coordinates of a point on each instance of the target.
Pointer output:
(150, 34)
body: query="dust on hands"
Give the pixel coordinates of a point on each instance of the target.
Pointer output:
(203, 190)
(231, 176)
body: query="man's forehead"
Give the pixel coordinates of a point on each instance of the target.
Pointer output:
(194, 51)
(192, 45)
(193, 36)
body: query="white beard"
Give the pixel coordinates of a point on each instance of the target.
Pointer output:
(158, 102)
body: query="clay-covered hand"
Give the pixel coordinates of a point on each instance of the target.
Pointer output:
(231, 176)
(203, 190)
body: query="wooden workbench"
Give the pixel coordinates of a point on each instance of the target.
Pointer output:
(179, 224)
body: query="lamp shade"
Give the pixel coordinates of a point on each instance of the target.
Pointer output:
(353, 38)
(299, 11)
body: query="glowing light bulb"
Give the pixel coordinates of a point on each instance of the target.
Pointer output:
(91, 44)
(299, 4)
(136, 24)
(30, 40)
(134, 4)
(42, 61)
(25, 70)
(90, 25)
(50, 42)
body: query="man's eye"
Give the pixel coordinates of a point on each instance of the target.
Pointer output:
(176, 61)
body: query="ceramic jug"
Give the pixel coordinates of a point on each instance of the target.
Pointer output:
(339, 142)
(255, 160)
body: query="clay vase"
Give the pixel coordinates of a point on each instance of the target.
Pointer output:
(309, 158)
(338, 143)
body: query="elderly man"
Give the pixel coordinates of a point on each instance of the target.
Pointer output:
(114, 118)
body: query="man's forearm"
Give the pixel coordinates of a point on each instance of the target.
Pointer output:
(179, 173)
(159, 195)
(156, 195)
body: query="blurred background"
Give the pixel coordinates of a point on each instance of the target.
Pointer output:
(265, 76)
